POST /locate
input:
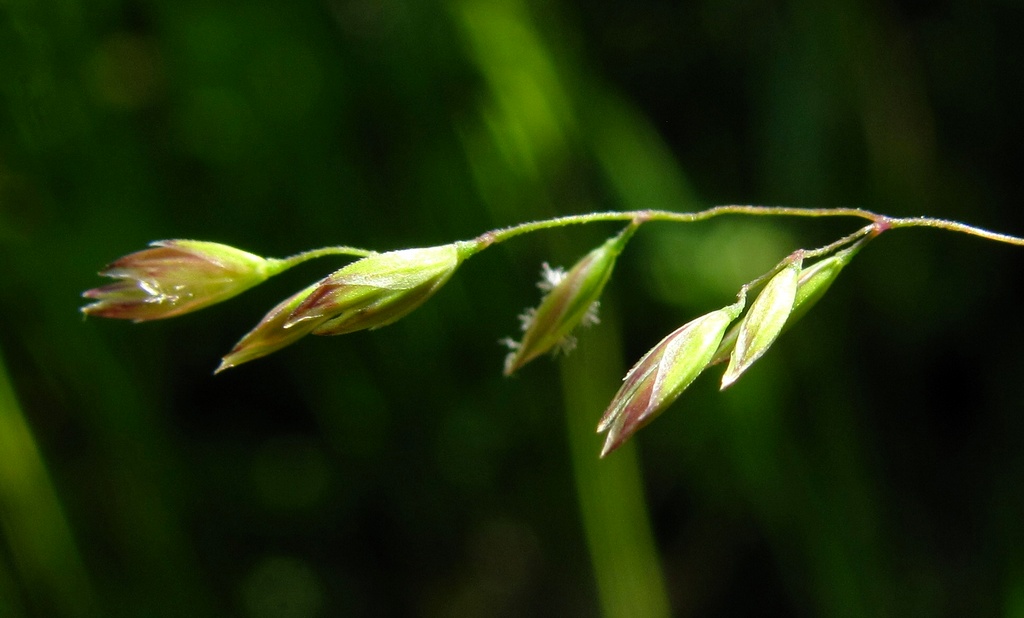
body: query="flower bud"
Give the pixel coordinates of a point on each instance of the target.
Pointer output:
(764, 321)
(570, 301)
(815, 280)
(176, 277)
(377, 290)
(663, 374)
(272, 333)
(813, 283)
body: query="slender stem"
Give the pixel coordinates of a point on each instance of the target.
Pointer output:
(863, 235)
(881, 222)
(641, 216)
(277, 266)
(874, 230)
(954, 226)
(299, 258)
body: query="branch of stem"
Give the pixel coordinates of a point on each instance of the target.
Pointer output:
(305, 256)
(880, 222)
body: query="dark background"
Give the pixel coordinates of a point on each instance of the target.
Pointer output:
(871, 464)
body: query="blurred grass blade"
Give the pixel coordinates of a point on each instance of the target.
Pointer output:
(610, 491)
(42, 548)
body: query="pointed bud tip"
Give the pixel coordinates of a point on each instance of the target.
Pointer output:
(612, 443)
(607, 448)
(606, 421)
(728, 379)
(513, 363)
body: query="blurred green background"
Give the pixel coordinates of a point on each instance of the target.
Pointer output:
(871, 465)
